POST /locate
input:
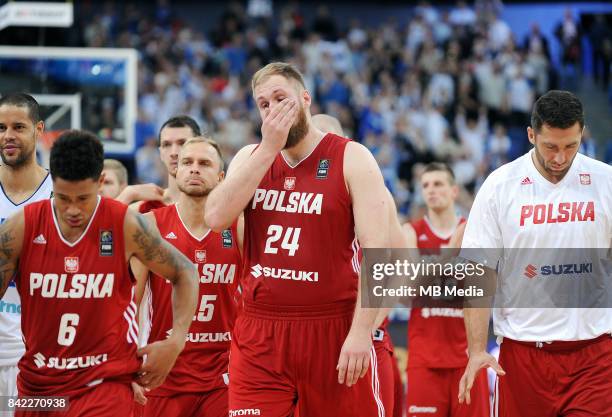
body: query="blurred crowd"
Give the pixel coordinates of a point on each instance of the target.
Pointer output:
(451, 84)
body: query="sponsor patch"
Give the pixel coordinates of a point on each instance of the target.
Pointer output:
(323, 168)
(106, 243)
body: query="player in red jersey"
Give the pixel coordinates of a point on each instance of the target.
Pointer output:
(78, 312)
(437, 345)
(197, 385)
(300, 342)
(172, 135)
(391, 386)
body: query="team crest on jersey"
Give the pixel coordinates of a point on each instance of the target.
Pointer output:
(106, 243)
(585, 179)
(323, 168)
(71, 264)
(289, 183)
(226, 236)
(200, 256)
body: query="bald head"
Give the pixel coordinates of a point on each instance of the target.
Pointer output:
(327, 123)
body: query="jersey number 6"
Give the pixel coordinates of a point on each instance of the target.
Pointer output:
(67, 329)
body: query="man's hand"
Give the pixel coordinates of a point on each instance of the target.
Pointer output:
(141, 192)
(276, 125)
(354, 357)
(159, 361)
(139, 394)
(476, 363)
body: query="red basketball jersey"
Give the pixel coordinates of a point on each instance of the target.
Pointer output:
(149, 205)
(78, 313)
(436, 336)
(300, 246)
(203, 364)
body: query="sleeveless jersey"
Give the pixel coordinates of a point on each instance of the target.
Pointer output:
(78, 314)
(202, 366)
(300, 247)
(436, 336)
(10, 304)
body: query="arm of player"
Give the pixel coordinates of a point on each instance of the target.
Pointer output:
(145, 243)
(139, 270)
(397, 240)
(368, 194)
(477, 332)
(140, 192)
(11, 241)
(231, 196)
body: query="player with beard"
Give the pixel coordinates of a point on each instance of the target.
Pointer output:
(302, 341)
(68, 257)
(552, 361)
(172, 135)
(22, 181)
(392, 388)
(197, 385)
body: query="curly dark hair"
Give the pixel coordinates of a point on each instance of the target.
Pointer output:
(77, 155)
(23, 100)
(557, 108)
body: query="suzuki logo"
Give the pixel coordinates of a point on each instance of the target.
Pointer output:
(530, 271)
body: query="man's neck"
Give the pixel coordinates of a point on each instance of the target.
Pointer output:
(191, 210)
(172, 193)
(24, 179)
(444, 221)
(305, 147)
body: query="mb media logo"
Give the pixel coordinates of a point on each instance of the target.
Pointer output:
(531, 271)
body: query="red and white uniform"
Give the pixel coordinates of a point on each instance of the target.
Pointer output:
(202, 365)
(300, 288)
(437, 350)
(78, 314)
(517, 207)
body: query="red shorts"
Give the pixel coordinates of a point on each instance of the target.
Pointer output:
(284, 361)
(570, 379)
(433, 392)
(385, 376)
(109, 399)
(398, 396)
(209, 404)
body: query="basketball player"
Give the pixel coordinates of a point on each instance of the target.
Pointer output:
(197, 385)
(23, 181)
(391, 386)
(172, 135)
(78, 313)
(116, 186)
(553, 361)
(300, 342)
(437, 346)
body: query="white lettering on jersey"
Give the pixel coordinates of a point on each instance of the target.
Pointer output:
(217, 273)
(281, 273)
(69, 363)
(72, 285)
(442, 312)
(293, 202)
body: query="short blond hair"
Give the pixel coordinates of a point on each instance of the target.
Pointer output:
(209, 141)
(283, 69)
(120, 171)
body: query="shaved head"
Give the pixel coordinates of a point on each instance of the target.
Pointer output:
(327, 123)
